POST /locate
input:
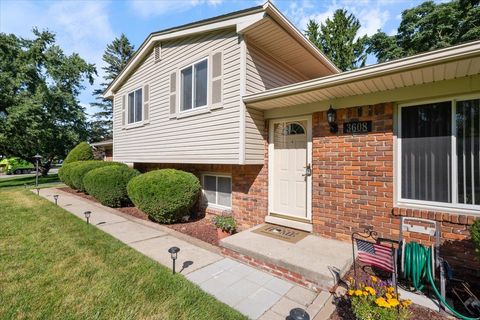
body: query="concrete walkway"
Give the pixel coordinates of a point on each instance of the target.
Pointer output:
(254, 293)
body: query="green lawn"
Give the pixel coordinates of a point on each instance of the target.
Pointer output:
(29, 180)
(55, 266)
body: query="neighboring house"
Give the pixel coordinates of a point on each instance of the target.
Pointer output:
(103, 150)
(241, 100)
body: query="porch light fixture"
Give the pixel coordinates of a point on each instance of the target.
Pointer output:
(173, 254)
(87, 216)
(55, 196)
(37, 158)
(332, 120)
(298, 314)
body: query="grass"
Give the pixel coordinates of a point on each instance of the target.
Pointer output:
(29, 180)
(55, 266)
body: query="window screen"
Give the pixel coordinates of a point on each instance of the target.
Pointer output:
(131, 107)
(201, 79)
(186, 101)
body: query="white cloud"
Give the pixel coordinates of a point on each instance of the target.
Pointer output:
(372, 16)
(147, 8)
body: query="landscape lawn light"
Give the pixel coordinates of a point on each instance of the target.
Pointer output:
(298, 314)
(87, 216)
(37, 158)
(173, 254)
(55, 196)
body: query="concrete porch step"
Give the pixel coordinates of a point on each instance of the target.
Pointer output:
(310, 262)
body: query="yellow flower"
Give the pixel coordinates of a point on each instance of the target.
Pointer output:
(365, 293)
(406, 303)
(358, 292)
(370, 290)
(390, 289)
(388, 295)
(393, 302)
(381, 302)
(350, 292)
(374, 279)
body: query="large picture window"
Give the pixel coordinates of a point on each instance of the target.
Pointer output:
(135, 106)
(218, 190)
(439, 153)
(194, 89)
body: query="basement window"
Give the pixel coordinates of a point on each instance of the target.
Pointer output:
(439, 154)
(217, 190)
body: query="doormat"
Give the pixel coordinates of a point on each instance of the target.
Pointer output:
(281, 233)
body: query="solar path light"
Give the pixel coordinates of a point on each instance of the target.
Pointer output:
(87, 216)
(55, 196)
(173, 254)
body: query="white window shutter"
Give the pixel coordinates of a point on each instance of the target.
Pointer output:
(217, 79)
(173, 94)
(123, 111)
(157, 52)
(146, 104)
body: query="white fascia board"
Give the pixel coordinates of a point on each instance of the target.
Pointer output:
(272, 11)
(238, 22)
(459, 52)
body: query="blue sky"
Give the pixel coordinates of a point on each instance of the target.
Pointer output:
(86, 27)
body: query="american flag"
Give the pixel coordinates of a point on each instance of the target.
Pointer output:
(375, 254)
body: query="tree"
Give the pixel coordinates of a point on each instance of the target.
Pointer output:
(39, 84)
(116, 57)
(427, 27)
(338, 39)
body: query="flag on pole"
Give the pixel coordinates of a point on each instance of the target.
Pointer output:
(377, 255)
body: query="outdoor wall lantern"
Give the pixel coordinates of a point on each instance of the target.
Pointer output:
(37, 158)
(55, 196)
(87, 216)
(173, 254)
(332, 120)
(298, 314)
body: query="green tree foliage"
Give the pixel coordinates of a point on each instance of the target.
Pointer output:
(83, 151)
(338, 39)
(427, 27)
(39, 84)
(116, 57)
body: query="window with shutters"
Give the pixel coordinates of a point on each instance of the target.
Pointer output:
(135, 106)
(439, 154)
(217, 190)
(194, 86)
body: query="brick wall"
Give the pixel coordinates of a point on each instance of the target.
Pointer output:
(353, 186)
(249, 188)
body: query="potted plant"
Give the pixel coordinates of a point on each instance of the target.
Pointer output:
(225, 226)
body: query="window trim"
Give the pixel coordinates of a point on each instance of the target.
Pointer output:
(134, 123)
(454, 206)
(217, 175)
(180, 96)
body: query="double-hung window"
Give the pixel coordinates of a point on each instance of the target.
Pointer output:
(218, 190)
(439, 154)
(194, 79)
(135, 106)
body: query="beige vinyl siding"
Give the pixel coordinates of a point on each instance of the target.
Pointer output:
(254, 136)
(211, 137)
(264, 72)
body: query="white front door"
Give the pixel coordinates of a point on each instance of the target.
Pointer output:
(289, 161)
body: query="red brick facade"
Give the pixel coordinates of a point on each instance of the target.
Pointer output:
(352, 186)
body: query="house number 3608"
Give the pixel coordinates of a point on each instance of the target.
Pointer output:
(357, 127)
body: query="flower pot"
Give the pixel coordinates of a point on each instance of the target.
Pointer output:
(222, 234)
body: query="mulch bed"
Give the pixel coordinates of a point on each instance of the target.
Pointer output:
(343, 311)
(200, 228)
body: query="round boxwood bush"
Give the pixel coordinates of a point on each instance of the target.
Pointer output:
(65, 173)
(83, 151)
(109, 184)
(166, 195)
(79, 171)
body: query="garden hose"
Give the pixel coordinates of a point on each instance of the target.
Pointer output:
(417, 267)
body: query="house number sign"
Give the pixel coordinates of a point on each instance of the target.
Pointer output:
(357, 127)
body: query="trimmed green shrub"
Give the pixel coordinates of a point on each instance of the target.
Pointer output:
(83, 151)
(475, 233)
(109, 184)
(65, 173)
(166, 195)
(79, 171)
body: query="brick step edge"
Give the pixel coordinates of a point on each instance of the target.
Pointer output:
(274, 270)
